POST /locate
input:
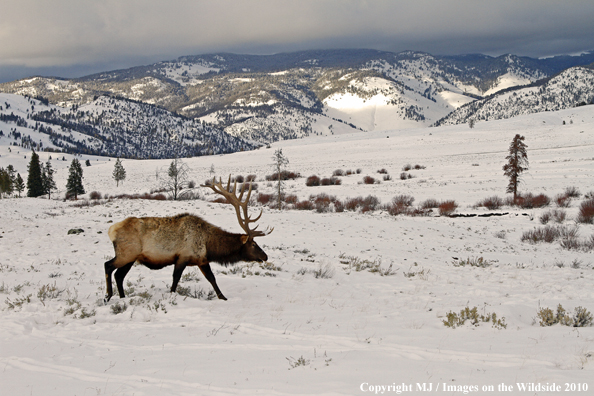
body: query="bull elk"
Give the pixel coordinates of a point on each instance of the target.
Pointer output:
(183, 240)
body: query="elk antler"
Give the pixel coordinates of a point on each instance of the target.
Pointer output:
(233, 199)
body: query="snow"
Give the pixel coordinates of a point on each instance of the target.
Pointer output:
(293, 333)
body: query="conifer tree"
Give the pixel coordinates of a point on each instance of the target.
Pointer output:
(74, 185)
(119, 173)
(279, 163)
(517, 163)
(19, 184)
(178, 177)
(34, 180)
(5, 182)
(47, 175)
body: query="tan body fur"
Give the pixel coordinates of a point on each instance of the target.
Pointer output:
(182, 240)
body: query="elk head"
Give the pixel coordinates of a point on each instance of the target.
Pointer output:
(250, 247)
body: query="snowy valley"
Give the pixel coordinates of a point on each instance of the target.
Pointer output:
(348, 302)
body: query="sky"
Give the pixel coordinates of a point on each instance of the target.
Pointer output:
(73, 38)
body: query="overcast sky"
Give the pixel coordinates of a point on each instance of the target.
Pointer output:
(72, 38)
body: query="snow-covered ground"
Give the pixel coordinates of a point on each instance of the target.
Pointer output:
(285, 331)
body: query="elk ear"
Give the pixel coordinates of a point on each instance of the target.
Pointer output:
(244, 239)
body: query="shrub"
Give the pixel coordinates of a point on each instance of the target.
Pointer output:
(332, 181)
(405, 176)
(370, 203)
(304, 205)
(581, 317)
(322, 202)
(556, 215)
(473, 262)
(387, 177)
(358, 171)
(284, 175)
(95, 195)
(546, 234)
(291, 199)
(530, 201)
(239, 179)
(401, 204)
(406, 167)
(382, 171)
(572, 192)
(586, 213)
(447, 208)
(429, 204)
(367, 204)
(471, 314)
(418, 167)
(491, 203)
(264, 199)
(312, 181)
(562, 200)
(338, 172)
(369, 180)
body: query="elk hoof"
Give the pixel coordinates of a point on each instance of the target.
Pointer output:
(106, 299)
(221, 297)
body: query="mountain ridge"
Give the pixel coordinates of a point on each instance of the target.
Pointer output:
(258, 99)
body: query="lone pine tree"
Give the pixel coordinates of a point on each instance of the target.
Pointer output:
(74, 184)
(517, 163)
(34, 179)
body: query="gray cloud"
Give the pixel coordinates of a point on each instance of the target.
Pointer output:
(77, 37)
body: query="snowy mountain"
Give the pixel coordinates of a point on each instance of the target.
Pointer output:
(248, 100)
(109, 126)
(570, 88)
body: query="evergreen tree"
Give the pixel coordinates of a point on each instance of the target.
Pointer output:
(517, 163)
(279, 163)
(47, 176)
(34, 180)
(5, 182)
(19, 184)
(74, 184)
(119, 173)
(178, 177)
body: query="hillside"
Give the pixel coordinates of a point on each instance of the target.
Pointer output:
(262, 99)
(111, 127)
(570, 88)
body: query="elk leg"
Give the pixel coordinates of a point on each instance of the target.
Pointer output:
(109, 268)
(207, 272)
(179, 268)
(119, 276)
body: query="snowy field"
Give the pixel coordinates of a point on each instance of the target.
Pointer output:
(308, 322)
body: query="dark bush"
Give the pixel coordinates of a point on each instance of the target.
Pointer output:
(285, 175)
(429, 204)
(250, 178)
(369, 180)
(331, 181)
(491, 203)
(572, 192)
(530, 201)
(94, 195)
(586, 214)
(405, 176)
(304, 205)
(382, 171)
(312, 181)
(338, 172)
(447, 208)
(264, 199)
